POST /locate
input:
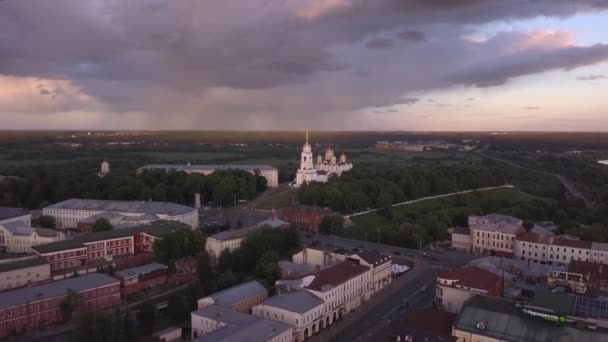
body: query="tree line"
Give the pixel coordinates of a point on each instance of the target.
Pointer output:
(44, 186)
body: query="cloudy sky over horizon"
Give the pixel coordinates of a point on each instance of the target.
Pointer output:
(294, 64)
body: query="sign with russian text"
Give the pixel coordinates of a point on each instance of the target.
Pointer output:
(544, 315)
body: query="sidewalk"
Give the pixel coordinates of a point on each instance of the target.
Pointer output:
(334, 331)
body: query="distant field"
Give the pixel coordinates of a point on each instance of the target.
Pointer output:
(173, 156)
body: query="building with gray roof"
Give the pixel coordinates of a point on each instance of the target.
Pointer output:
(70, 212)
(10, 214)
(503, 320)
(138, 271)
(23, 271)
(20, 237)
(240, 298)
(55, 289)
(270, 173)
(219, 324)
(299, 301)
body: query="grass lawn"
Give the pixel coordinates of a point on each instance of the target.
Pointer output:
(277, 200)
(507, 200)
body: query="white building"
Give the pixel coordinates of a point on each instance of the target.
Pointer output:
(19, 237)
(300, 309)
(69, 213)
(381, 269)
(318, 258)
(455, 287)
(343, 287)
(559, 250)
(270, 173)
(461, 238)
(229, 239)
(323, 169)
(104, 170)
(24, 271)
(215, 323)
(494, 233)
(240, 298)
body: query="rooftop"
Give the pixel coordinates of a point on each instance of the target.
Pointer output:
(246, 218)
(23, 229)
(560, 303)
(142, 207)
(9, 213)
(239, 326)
(231, 234)
(54, 289)
(140, 270)
(566, 242)
(158, 229)
(432, 320)
(335, 275)
(502, 320)
(21, 263)
(236, 294)
(206, 167)
(461, 230)
(472, 277)
(534, 237)
(299, 301)
(373, 258)
(273, 223)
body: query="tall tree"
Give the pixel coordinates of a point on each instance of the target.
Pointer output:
(102, 225)
(98, 327)
(47, 221)
(69, 304)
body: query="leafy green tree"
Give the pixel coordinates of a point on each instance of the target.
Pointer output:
(98, 327)
(147, 317)
(102, 225)
(47, 221)
(332, 224)
(204, 270)
(177, 244)
(227, 279)
(69, 304)
(177, 308)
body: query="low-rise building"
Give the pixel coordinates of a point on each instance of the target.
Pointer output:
(580, 277)
(300, 309)
(380, 266)
(494, 233)
(227, 240)
(170, 334)
(270, 173)
(69, 213)
(456, 287)
(418, 325)
(23, 271)
(559, 250)
(318, 257)
(488, 319)
(19, 236)
(304, 217)
(138, 278)
(103, 245)
(215, 323)
(239, 298)
(9, 214)
(33, 308)
(343, 287)
(461, 238)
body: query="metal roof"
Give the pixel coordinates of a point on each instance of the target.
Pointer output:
(9, 213)
(54, 289)
(23, 229)
(239, 326)
(231, 234)
(140, 270)
(159, 229)
(502, 320)
(299, 301)
(141, 207)
(21, 263)
(236, 294)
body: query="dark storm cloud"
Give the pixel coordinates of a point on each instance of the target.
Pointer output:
(379, 43)
(594, 77)
(498, 71)
(412, 36)
(267, 59)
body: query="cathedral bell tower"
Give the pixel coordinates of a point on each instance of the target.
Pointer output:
(306, 157)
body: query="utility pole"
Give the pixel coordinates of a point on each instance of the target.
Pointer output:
(378, 235)
(420, 242)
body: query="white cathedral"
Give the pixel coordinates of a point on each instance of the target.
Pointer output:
(320, 171)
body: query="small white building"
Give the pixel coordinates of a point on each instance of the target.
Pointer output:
(170, 334)
(317, 257)
(494, 233)
(104, 169)
(229, 239)
(23, 271)
(381, 269)
(215, 323)
(455, 287)
(240, 298)
(300, 309)
(461, 238)
(19, 237)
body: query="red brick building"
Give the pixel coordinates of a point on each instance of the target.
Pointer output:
(102, 245)
(304, 217)
(455, 287)
(38, 307)
(138, 278)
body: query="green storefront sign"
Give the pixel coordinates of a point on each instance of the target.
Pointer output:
(543, 315)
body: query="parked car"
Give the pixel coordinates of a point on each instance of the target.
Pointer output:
(424, 288)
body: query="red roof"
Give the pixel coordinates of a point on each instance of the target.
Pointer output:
(336, 275)
(472, 277)
(561, 241)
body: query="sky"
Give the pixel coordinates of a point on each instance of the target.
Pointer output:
(426, 65)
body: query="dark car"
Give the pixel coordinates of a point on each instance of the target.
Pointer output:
(397, 253)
